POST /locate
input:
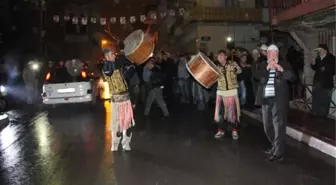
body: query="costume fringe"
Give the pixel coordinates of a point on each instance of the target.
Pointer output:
(231, 108)
(122, 115)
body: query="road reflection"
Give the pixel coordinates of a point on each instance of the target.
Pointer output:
(11, 154)
(108, 135)
(43, 136)
(8, 136)
(67, 146)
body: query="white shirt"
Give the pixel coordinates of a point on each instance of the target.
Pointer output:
(322, 57)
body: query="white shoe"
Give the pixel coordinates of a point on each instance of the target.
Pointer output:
(219, 135)
(114, 147)
(235, 135)
(127, 147)
(126, 142)
(115, 144)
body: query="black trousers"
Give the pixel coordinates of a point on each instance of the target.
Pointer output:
(321, 101)
(275, 121)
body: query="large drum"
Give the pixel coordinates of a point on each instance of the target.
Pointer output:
(138, 47)
(203, 70)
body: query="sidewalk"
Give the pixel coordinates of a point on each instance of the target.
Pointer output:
(317, 133)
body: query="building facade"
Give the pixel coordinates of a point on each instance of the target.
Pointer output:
(309, 22)
(208, 24)
(66, 40)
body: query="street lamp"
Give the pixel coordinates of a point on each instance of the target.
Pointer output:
(230, 43)
(103, 42)
(34, 65)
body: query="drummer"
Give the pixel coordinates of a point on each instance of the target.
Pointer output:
(227, 112)
(121, 106)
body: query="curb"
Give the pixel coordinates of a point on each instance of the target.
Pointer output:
(301, 137)
(4, 120)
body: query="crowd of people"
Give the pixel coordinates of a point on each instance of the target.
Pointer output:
(260, 79)
(168, 72)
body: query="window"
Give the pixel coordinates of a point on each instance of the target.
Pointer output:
(61, 75)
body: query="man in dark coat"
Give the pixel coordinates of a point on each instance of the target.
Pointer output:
(169, 69)
(324, 67)
(273, 96)
(154, 84)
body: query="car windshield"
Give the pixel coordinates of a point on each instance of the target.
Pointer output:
(62, 75)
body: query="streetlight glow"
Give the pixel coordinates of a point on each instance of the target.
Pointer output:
(35, 66)
(229, 39)
(103, 42)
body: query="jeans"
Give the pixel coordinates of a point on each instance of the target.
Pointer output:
(242, 92)
(156, 94)
(200, 95)
(184, 89)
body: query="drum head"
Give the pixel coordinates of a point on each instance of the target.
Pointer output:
(209, 62)
(133, 41)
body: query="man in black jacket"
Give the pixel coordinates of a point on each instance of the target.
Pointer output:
(153, 79)
(169, 69)
(324, 67)
(273, 96)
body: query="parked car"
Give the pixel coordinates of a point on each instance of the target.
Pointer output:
(61, 87)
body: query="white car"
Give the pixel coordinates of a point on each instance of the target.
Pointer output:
(62, 88)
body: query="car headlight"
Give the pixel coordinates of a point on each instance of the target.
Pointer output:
(2, 89)
(35, 66)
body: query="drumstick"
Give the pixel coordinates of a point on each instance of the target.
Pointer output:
(109, 33)
(231, 57)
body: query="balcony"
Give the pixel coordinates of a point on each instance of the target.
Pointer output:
(283, 10)
(216, 14)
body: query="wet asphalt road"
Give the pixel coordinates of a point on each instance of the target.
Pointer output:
(71, 146)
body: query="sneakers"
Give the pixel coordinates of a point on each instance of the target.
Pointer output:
(235, 135)
(220, 134)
